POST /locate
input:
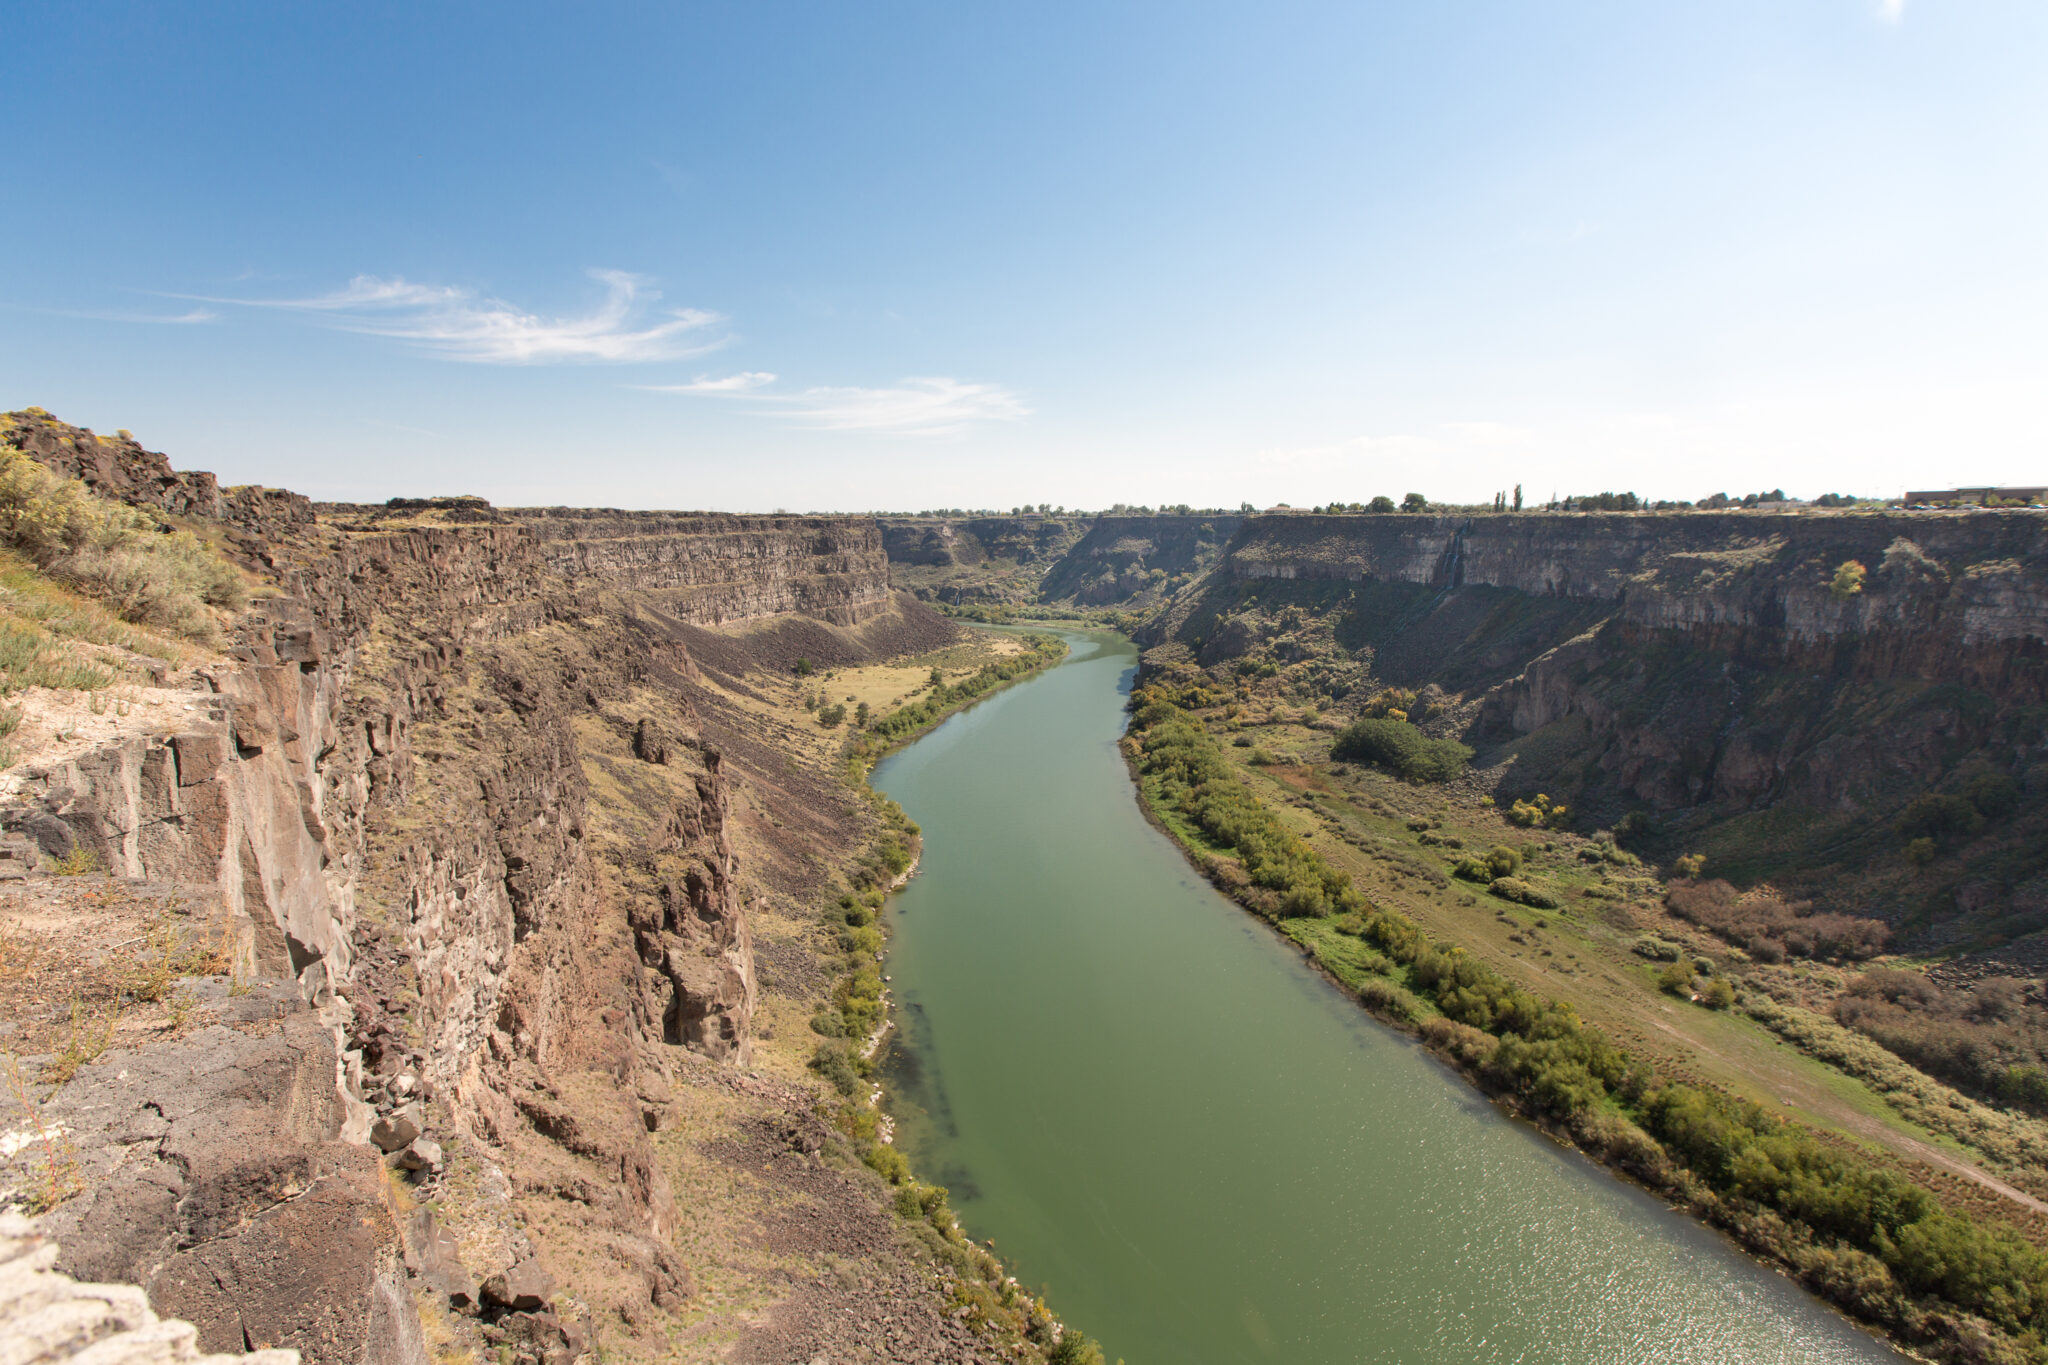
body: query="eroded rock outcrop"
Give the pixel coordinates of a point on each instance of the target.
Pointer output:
(1701, 669)
(52, 1318)
(1122, 558)
(476, 957)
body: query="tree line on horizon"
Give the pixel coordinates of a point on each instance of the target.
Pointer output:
(1381, 504)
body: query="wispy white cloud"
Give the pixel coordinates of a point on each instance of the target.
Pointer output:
(934, 406)
(464, 325)
(743, 382)
(926, 406)
(1891, 11)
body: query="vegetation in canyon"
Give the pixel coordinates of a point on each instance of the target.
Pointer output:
(1825, 862)
(1851, 1224)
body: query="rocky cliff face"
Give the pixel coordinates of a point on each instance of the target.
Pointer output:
(1133, 559)
(1943, 592)
(712, 570)
(977, 559)
(449, 783)
(1726, 674)
(941, 542)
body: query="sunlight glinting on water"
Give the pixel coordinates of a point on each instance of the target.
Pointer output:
(1198, 1147)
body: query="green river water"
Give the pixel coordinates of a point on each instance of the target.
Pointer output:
(1199, 1148)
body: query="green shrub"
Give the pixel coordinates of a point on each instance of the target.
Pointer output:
(1657, 949)
(1384, 998)
(888, 1163)
(1193, 777)
(1074, 1348)
(1539, 813)
(1940, 814)
(1522, 893)
(1400, 748)
(1992, 793)
(1398, 703)
(832, 1062)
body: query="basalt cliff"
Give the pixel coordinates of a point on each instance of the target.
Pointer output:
(1780, 693)
(478, 839)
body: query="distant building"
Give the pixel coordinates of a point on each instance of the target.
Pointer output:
(1955, 497)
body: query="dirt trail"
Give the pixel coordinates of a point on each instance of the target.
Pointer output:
(1863, 1126)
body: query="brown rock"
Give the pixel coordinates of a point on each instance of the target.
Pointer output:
(398, 1128)
(522, 1289)
(200, 756)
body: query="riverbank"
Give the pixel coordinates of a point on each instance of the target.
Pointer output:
(1207, 1154)
(1842, 1221)
(856, 1019)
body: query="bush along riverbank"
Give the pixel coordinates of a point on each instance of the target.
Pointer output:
(907, 722)
(1846, 1223)
(853, 1024)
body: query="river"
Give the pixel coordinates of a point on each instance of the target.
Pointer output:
(1199, 1148)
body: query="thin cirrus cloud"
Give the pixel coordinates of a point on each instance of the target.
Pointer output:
(463, 325)
(1891, 11)
(191, 317)
(744, 382)
(930, 406)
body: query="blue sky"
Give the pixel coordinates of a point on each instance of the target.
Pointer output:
(821, 256)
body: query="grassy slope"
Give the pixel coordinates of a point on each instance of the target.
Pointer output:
(1582, 954)
(1579, 955)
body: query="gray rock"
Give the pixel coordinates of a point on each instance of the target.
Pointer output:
(398, 1128)
(46, 1316)
(422, 1154)
(52, 836)
(433, 1254)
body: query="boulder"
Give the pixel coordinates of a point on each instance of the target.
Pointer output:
(397, 1129)
(422, 1154)
(525, 1288)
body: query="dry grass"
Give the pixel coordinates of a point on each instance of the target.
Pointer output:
(172, 952)
(90, 1037)
(85, 961)
(54, 637)
(113, 552)
(1583, 954)
(59, 1177)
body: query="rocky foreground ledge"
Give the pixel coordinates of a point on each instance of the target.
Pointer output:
(53, 1318)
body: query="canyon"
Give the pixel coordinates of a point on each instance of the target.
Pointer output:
(513, 844)
(1701, 669)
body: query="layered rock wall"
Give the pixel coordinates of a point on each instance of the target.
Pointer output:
(716, 570)
(967, 541)
(1123, 557)
(1962, 597)
(1777, 691)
